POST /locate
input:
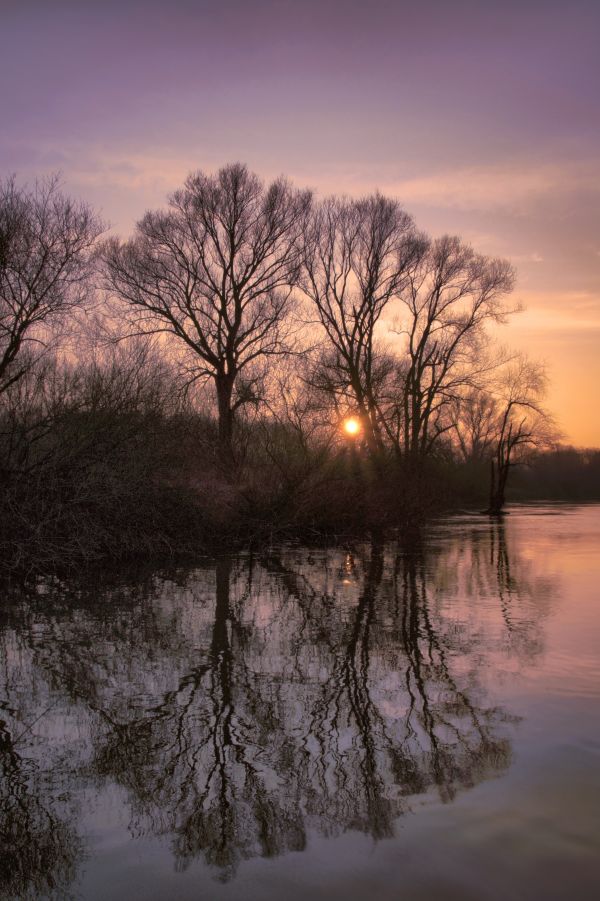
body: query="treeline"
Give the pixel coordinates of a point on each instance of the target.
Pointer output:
(194, 383)
(563, 474)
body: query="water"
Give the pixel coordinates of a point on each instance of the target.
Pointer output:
(367, 721)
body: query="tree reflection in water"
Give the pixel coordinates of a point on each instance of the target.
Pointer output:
(247, 703)
(39, 849)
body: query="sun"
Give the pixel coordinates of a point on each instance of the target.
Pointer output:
(351, 426)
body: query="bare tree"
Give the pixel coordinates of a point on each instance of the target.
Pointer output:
(45, 244)
(474, 415)
(357, 256)
(502, 422)
(522, 424)
(216, 272)
(448, 299)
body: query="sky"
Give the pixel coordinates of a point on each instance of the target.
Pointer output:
(481, 116)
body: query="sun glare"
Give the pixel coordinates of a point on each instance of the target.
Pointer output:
(352, 426)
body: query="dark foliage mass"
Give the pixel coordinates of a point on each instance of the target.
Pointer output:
(189, 386)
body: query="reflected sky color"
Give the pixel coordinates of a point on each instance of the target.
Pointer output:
(310, 722)
(481, 117)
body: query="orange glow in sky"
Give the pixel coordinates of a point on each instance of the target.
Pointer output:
(460, 111)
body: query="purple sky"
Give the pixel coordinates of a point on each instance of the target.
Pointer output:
(482, 117)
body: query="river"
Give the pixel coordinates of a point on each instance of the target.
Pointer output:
(411, 720)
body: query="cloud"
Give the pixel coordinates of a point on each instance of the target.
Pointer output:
(527, 258)
(555, 321)
(503, 187)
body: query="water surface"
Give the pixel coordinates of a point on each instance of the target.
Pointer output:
(391, 721)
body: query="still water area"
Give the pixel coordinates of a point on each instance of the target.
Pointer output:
(394, 720)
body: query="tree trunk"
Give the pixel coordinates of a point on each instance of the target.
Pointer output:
(492, 486)
(499, 476)
(502, 477)
(224, 386)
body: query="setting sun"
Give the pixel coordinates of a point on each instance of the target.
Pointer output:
(352, 426)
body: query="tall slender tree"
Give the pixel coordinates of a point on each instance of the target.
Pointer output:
(447, 301)
(356, 259)
(522, 424)
(45, 244)
(215, 271)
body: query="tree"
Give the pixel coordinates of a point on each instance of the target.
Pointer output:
(448, 298)
(474, 415)
(522, 424)
(45, 244)
(356, 259)
(502, 422)
(216, 272)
